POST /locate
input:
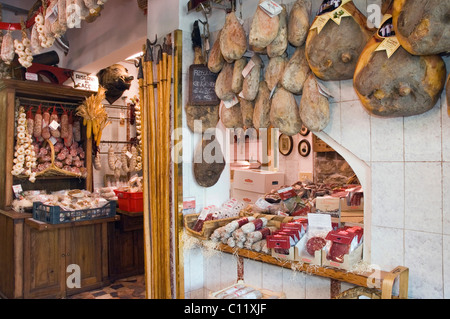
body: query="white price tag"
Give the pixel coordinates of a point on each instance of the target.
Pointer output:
(54, 125)
(248, 68)
(31, 76)
(271, 8)
(53, 140)
(230, 103)
(17, 189)
(129, 154)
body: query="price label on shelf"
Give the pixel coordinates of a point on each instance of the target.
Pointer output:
(17, 189)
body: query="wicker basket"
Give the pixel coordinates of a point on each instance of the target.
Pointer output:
(208, 226)
(52, 170)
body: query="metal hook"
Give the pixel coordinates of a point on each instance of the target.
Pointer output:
(148, 55)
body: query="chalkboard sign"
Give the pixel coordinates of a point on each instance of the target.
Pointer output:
(202, 83)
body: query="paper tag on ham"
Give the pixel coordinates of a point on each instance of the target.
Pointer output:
(248, 68)
(129, 154)
(230, 103)
(271, 8)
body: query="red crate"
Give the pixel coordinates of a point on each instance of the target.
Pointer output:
(130, 202)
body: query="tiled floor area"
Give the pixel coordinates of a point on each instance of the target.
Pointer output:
(127, 288)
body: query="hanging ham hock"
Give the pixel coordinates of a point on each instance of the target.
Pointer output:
(391, 82)
(332, 49)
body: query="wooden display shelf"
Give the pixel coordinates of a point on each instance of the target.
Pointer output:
(38, 225)
(385, 280)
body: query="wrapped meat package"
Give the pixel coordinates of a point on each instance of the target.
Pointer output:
(319, 225)
(343, 241)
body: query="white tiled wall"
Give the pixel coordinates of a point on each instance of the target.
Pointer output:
(405, 163)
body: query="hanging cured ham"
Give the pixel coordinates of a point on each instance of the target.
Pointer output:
(224, 82)
(336, 39)
(422, 27)
(247, 110)
(238, 79)
(391, 82)
(250, 85)
(208, 115)
(231, 117)
(209, 162)
(264, 28)
(233, 40)
(284, 112)
(314, 107)
(261, 113)
(279, 45)
(298, 24)
(274, 71)
(215, 59)
(296, 72)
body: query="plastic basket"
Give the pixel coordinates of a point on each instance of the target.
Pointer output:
(55, 215)
(130, 202)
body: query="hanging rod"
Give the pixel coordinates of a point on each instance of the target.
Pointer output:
(117, 142)
(41, 101)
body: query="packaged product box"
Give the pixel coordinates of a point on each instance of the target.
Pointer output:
(311, 246)
(257, 181)
(344, 247)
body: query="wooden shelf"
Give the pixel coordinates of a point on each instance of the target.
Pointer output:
(385, 280)
(38, 225)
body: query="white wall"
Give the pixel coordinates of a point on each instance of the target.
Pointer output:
(404, 164)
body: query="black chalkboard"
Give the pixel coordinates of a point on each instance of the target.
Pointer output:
(202, 83)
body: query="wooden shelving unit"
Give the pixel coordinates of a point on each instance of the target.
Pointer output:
(35, 92)
(385, 280)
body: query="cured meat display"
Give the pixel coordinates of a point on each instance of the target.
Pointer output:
(296, 71)
(412, 85)
(261, 112)
(231, 117)
(215, 58)
(233, 40)
(298, 24)
(209, 162)
(279, 45)
(284, 113)
(224, 83)
(335, 41)
(274, 71)
(422, 28)
(264, 28)
(250, 86)
(247, 110)
(314, 244)
(314, 107)
(207, 115)
(238, 79)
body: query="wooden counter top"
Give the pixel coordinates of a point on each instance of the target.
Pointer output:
(38, 225)
(15, 215)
